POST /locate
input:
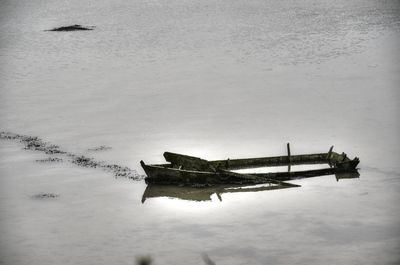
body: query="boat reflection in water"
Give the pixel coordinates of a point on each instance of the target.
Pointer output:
(205, 193)
(201, 193)
(350, 175)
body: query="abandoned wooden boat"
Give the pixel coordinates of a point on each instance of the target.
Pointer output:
(188, 170)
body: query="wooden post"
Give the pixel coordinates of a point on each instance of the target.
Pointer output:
(328, 156)
(329, 153)
(227, 163)
(289, 159)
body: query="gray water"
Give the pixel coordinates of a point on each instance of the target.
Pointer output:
(213, 79)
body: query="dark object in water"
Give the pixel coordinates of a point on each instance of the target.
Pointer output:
(45, 196)
(347, 175)
(71, 28)
(144, 260)
(188, 170)
(207, 259)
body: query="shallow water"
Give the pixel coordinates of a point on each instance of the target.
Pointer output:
(213, 79)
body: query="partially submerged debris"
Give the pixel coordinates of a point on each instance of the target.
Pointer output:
(190, 170)
(71, 28)
(347, 175)
(144, 260)
(207, 259)
(45, 196)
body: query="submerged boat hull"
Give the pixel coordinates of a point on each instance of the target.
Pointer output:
(163, 174)
(188, 170)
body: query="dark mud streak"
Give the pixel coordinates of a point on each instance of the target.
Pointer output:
(37, 144)
(100, 148)
(49, 160)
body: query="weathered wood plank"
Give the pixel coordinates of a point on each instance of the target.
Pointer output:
(188, 162)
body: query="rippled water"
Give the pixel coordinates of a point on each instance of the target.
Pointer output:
(214, 79)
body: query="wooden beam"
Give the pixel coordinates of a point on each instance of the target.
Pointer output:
(289, 158)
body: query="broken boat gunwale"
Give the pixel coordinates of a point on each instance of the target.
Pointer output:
(158, 174)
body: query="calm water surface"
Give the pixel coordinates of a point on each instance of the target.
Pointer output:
(214, 79)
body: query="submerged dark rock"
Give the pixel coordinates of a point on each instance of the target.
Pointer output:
(144, 260)
(71, 28)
